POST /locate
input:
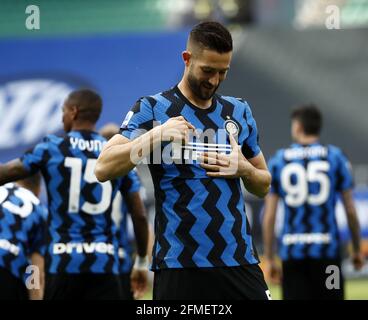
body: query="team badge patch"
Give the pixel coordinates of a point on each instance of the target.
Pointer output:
(231, 127)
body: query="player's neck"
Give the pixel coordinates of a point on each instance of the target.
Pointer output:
(187, 92)
(304, 139)
(87, 126)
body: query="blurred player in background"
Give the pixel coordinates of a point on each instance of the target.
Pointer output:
(22, 239)
(81, 260)
(133, 277)
(308, 177)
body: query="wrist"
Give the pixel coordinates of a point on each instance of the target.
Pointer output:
(155, 137)
(141, 263)
(156, 134)
(246, 169)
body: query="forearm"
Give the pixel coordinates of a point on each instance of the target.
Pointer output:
(12, 171)
(268, 236)
(4, 175)
(139, 218)
(114, 162)
(257, 181)
(268, 226)
(352, 218)
(117, 160)
(354, 229)
(141, 234)
(37, 292)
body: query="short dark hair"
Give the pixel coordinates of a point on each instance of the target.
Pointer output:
(309, 117)
(212, 35)
(88, 103)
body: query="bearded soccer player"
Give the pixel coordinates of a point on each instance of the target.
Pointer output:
(204, 145)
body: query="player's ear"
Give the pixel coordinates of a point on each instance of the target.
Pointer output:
(299, 128)
(73, 112)
(187, 55)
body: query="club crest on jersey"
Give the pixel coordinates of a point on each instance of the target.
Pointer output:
(231, 127)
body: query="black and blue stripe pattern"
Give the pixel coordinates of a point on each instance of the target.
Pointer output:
(200, 221)
(81, 235)
(22, 228)
(308, 179)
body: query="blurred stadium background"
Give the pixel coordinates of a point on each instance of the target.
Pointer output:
(284, 55)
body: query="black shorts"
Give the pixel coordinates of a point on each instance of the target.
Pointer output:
(220, 283)
(84, 286)
(306, 280)
(11, 287)
(126, 286)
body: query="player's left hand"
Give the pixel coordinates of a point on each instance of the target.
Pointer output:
(358, 260)
(139, 281)
(233, 165)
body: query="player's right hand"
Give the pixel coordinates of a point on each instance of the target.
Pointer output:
(273, 272)
(176, 129)
(358, 260)
(139, 282)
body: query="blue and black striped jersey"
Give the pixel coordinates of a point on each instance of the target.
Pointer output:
(309, 178)
(22, 228)
(131, 184)
(81, 237)
(200, 221)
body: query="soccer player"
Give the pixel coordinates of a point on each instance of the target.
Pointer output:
(133, 277)
(308, 177)
(22, 239)
(81, 260)
(203, 245)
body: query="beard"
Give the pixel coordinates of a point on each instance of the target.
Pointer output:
(201, 89)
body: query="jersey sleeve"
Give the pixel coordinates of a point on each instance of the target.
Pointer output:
(35, 158)
(344, 173)
(138, 120)
(250, 146)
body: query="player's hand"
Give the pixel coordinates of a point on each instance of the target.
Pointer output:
(176, 129)
(358, 260)
(233, 165)
(139, 281)
(273, 272)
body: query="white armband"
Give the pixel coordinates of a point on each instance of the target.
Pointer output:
(141, 263)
